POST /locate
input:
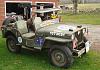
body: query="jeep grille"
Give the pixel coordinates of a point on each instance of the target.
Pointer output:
(79, 36)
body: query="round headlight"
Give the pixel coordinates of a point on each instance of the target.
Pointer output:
(72, 37)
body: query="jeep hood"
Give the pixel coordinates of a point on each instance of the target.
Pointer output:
(58, 28)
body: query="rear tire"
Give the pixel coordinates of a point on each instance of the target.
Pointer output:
(11, 44)
(61, 56)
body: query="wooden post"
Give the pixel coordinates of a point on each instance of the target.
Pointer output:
(75, 5)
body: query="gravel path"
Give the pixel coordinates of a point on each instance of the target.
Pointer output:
(94, 36)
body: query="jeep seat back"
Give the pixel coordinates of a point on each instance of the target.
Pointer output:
(22, 26)
(36, 22)
(19, 18)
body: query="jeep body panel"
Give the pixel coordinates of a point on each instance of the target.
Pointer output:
(55, 39)
(58, 31)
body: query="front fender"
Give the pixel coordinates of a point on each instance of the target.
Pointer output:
(58, 39)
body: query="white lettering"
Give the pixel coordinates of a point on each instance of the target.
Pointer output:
(57, 33)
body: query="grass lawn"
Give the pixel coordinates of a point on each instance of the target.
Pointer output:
(28, 60)
(82, 18)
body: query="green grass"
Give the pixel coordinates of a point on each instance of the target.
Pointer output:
(91, 18)
(28, 60)
(83, 18)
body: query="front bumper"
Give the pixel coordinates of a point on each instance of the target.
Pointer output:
(83, 50)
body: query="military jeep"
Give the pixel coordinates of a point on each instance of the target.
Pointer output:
(62, 41)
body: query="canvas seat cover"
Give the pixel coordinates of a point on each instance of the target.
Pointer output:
(22, 28)
(36, 22)
(28, 35)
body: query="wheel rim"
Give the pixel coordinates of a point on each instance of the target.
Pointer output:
(58, 57)
(11, 44)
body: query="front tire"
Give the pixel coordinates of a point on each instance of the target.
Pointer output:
(61, 56)
(11, 44)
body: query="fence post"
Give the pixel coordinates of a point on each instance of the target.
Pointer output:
(75, 5)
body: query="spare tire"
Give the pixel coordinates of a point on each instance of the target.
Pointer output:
(8, 20)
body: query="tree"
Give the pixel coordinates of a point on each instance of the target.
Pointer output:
(75, 5)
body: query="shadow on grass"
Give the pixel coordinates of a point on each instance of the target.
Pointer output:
(36, 54)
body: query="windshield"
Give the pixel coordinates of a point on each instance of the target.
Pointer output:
(47, 14)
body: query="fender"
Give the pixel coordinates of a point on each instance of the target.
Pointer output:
(58, 39)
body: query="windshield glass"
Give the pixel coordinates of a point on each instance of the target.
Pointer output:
(47, 14)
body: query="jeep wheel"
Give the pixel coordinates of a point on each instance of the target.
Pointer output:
(11, 44)
(61, 56)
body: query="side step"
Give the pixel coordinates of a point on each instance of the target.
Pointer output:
(32, 49)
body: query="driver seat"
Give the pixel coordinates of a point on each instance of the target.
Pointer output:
(37, 23)
(22, 28)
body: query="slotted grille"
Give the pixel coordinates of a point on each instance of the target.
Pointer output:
(79, 36)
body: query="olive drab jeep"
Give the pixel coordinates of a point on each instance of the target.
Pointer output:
(63, 41)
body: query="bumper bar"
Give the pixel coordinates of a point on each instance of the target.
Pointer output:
(79, 52)
(83, 50)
